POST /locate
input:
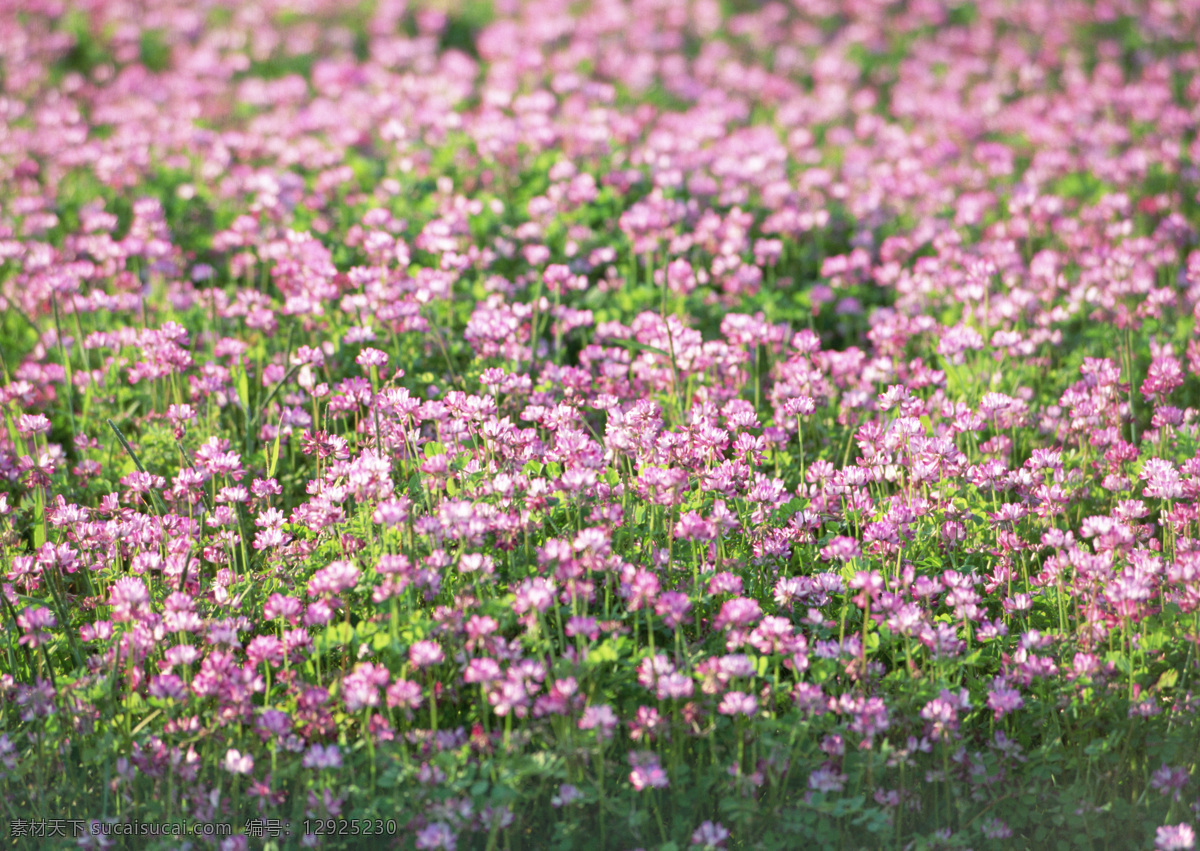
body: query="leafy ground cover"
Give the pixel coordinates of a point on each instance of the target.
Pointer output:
(600, 425)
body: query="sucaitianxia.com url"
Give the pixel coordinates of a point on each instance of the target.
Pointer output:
(66, 828)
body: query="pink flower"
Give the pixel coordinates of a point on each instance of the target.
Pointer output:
(238, 763)
(693, 527)
(536, 593)
(279, 606)
(600, 718)
(510, 696)
(642, 589)
(740, 611)
(129, 599)
(675, 686)
(585, 626)
(738, 703)
(369, 357)
(360, 689)
(404, 694)
(1179, 837)
(673, 608)
(332, 579)
(425, 653)
(647, 773)
(1165, 375)
(725, 583)
(645, 724)
(482, 670)
(841, 548)
(391, 512)
(34, 621)
(265, 648)
(29, 425)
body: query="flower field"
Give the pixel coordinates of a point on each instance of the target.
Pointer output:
(660, 424)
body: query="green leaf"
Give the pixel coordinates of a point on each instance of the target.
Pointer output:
(603, 654)
(1167, 680)
(243, 387)
(335, 634)
(273, 456)
(639, 347)
(39, 518)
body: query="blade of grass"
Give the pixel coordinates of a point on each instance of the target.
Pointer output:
(159, 508)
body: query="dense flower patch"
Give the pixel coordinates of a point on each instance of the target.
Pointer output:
(601, 425)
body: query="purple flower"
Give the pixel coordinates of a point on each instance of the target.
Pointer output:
(710, 836)
(869, 717)
(322, 756)
(994, 828)
(37, 700)
(809, 698)
(673, 607)
(437, 835)
(826, 780)
(167, 687)
(567, 794)
(1002, 700)
(1169, 781)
